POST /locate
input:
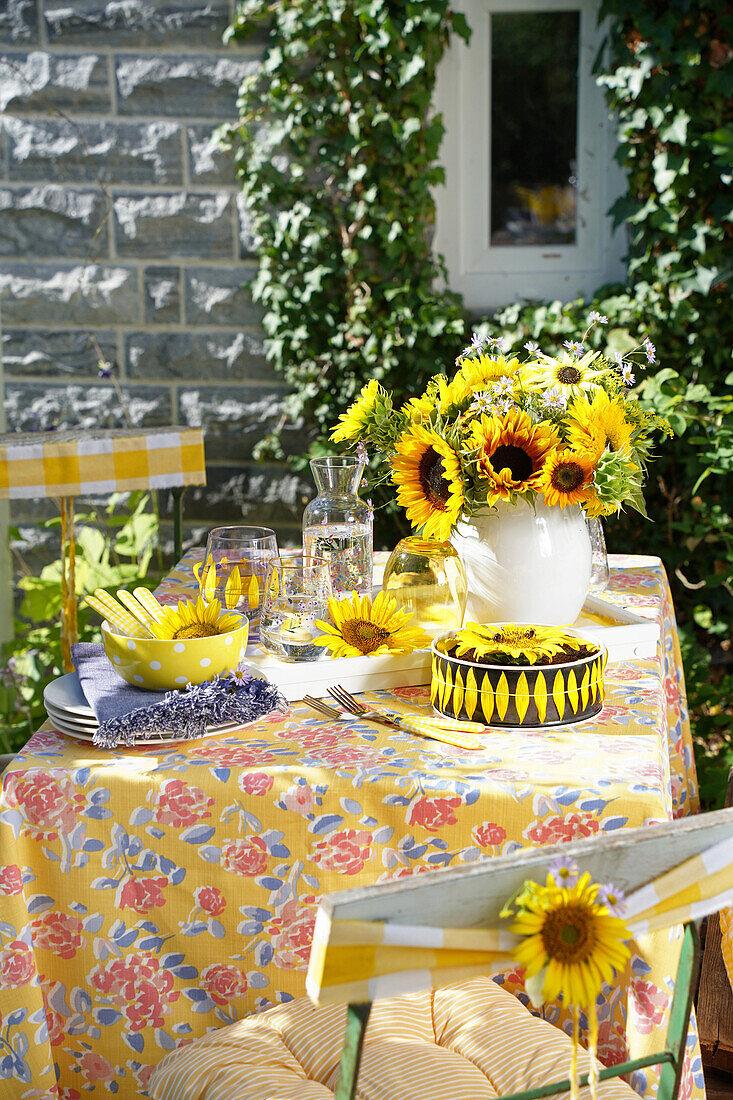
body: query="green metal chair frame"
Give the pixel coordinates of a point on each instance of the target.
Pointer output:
(671, 1058)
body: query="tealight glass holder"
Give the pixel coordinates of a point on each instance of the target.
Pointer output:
(428, 577)
(296, 595)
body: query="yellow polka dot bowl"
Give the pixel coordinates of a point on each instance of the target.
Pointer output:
(162, 664)
(526, 695)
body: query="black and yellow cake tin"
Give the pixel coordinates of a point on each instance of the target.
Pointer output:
(516, 695)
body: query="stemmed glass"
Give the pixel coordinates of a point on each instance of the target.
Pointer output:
(297, 590)
(235, 567)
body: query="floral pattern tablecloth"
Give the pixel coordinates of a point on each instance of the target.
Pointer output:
(151, 894)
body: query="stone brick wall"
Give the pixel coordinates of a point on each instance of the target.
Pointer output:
(121, 229)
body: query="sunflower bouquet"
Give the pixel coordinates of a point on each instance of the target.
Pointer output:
(505, 428)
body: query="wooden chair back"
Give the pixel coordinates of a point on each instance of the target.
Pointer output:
(473, 896)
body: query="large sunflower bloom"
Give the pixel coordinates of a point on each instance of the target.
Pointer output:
(427, 473)
(476, 375)
(511, 452)
(194, 620)
(352, 422)
(363, 628)
(566, 476)
(513, 640)
(570, 935)
(567, 374)
(596, 424)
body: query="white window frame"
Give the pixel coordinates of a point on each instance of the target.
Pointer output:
(492, 275)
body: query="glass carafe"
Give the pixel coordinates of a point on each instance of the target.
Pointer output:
(337, 525)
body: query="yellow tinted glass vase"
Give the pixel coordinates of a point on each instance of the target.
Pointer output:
(428, 578)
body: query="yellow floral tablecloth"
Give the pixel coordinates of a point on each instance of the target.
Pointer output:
(151, 894)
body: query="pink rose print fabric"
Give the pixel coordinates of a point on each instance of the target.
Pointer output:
(488, 834)
(346, 852)
(179, 803)
(150, 894)
(11, 880)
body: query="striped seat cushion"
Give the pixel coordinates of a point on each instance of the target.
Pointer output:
(472, 1041)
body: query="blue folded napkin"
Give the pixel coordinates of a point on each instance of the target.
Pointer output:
(127, 713)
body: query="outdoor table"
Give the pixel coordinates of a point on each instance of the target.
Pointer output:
(157, 892)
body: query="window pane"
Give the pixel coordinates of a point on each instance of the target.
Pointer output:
(534, 108)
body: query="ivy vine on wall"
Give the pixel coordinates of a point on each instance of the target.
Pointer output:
(337, 149)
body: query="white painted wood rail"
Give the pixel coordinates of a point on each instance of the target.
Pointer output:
(472, 896)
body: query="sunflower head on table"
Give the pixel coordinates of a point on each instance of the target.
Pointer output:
(362, 628)
(565, 428)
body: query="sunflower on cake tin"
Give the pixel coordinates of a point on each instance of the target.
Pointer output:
(527, 642)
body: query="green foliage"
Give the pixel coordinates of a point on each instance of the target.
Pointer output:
(336, 150)
(113, 549)
(668, 71)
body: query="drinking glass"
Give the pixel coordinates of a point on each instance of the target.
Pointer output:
(599, 571)
(249, 549)
(297, 590)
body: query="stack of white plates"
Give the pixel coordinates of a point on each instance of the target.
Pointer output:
(68, 708)
(70, 713)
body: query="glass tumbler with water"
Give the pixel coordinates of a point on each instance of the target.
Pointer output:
(297, 590)
(234, 569)
(337, 525)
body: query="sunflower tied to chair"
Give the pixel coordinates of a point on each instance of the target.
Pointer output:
(572, 942)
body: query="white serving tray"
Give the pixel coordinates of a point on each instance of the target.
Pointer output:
(296, 679)
(625, 634)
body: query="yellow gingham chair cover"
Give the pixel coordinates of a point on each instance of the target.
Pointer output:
(80, 463)
(353, 960)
